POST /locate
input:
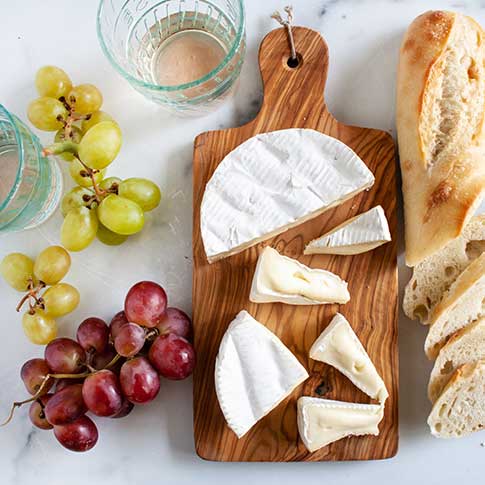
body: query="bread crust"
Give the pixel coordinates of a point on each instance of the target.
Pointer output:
(439, 198)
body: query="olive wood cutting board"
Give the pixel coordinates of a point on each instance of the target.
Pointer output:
(294, 98)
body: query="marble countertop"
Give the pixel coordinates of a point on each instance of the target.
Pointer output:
(155, 444)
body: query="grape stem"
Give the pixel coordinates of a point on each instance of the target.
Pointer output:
(100, 194)
(32, 293)
(72, 117)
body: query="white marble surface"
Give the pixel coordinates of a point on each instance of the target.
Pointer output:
(155, 443)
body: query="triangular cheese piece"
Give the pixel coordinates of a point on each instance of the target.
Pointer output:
(339, 347)
(254, 373)
(323, 421)
(286, 280)
(275, 181)
(359, 234)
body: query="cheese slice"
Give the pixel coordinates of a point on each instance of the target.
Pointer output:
(254, 372)
(359, 234)
(275, 181)
(286, 280)
(323, 421)
(339, 347)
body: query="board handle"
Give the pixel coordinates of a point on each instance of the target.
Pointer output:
(283, 83)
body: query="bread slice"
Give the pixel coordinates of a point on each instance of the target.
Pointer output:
(460, 410)
(440, 126)
(434, 275)
(462, 304)
(464, 347)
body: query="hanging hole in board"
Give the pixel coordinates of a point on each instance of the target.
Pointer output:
(294, 63)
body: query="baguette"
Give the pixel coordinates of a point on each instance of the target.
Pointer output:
(464, 347)
(433, 276)
(462, 304)
(440, 127)
(460, 410)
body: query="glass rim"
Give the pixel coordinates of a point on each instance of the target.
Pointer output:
(178, 87)
(20, 150)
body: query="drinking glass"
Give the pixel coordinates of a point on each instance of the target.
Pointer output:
(30, 184)
(131, 33)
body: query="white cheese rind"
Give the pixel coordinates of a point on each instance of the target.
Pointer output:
(324, 421)
(275, 181)
(254, 372)
(359, 234)
(278, 278)
(339, 346)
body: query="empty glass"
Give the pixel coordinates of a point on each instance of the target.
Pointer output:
(135, 35)
(30, 184)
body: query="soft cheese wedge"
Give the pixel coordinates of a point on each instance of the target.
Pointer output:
(323, 421)
(359, 234)
(281, 279)
(254, 372)
(275, 181)
(339, 347)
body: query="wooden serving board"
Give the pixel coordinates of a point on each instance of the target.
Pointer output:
(293, 98)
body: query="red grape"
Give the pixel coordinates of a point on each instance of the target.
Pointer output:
(172, 356)
(139, 380)
(92, 335)
(37, 414)
(125, 409)
(130, 340)
(66, 405)
(100, 361)
(80, 435)
(33, 373)
(175, 321)
(145, 303)
(63, 383)
(116, 323)
(65, 356)
(102, 393)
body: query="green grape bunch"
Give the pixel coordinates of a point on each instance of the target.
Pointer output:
(89, 140)
(47, 296)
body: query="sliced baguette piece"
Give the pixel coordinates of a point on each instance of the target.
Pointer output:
(462, 304)
(440, 127)
(323, 421)
(360, 234)
(460, 409)
(433, 276)
(464, 347)
(339, 346)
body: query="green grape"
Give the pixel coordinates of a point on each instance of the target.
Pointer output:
(87, 98)
(75, 169)
(100, 145)
(95, 118)
(43, 113)
(108, 237)
(74, 198)
(108, 182)
(52, 264)
(142, 191)
(17, 269)
(121, 215)
(79, 228)
(76, 138)
(52, 81)
(60, 299)
(39, 328)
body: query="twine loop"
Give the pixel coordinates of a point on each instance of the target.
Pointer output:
(287, 24)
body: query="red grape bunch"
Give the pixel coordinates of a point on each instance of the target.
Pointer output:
(108, 369)
(89, 139)
(47, 296)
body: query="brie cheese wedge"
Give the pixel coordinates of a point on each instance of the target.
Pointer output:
(339, 347)
(323, 421)
(281, 279)
(254, 372)
(359, 234)
(275, 181)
